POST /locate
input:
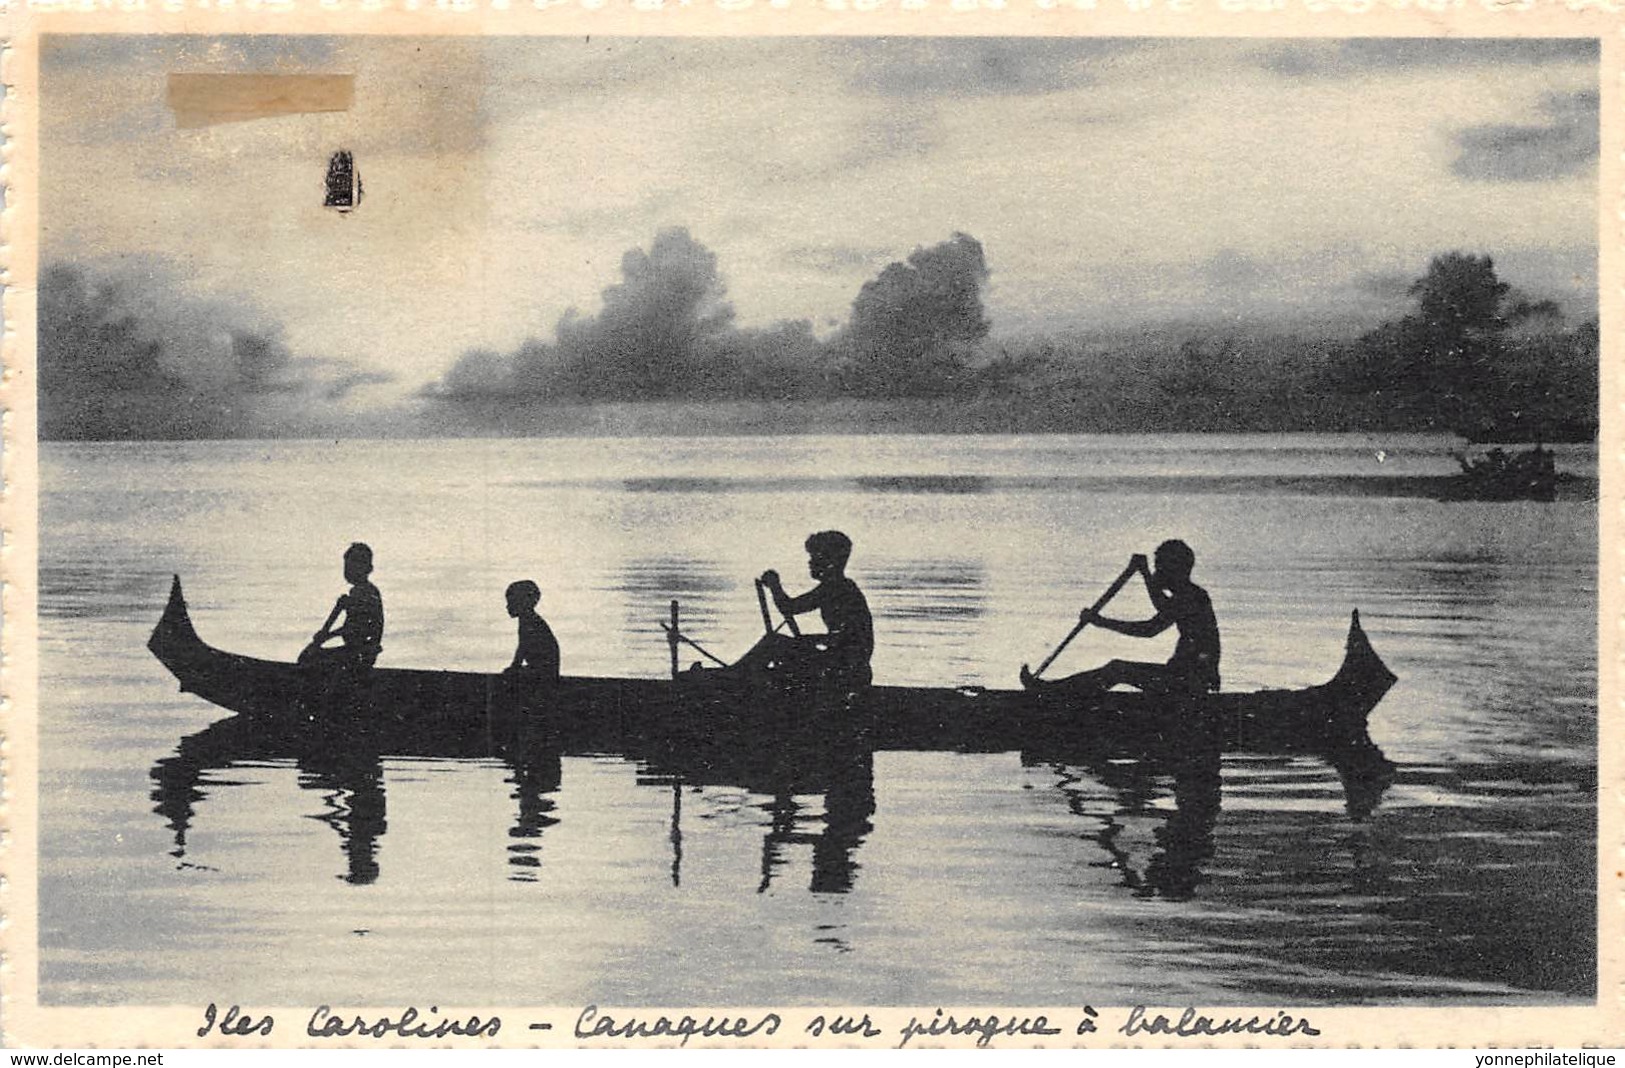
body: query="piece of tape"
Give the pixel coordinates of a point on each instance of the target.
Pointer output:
(206, 99)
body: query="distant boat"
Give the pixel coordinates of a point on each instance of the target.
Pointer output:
(343, 183)
(1499, 475)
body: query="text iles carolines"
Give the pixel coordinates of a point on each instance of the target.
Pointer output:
(596, 1025)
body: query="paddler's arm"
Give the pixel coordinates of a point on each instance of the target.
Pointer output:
(1133, 628)
(1139, 628)
(787, 605)
(327, 631)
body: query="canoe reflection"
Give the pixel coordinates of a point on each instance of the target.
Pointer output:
(1183, 837)
(346, 770)
(535, 776)
(352, 788)
(1121, 794)
(1120, 791)
(840, 768)
(348, 777)
(849, 804)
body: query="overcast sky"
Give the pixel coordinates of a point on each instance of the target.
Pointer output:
(1243, 183)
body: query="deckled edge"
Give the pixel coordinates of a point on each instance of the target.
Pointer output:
(18, 399)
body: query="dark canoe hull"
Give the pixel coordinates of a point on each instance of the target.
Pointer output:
(1490, 488)
(717, 713)
(1520, 476)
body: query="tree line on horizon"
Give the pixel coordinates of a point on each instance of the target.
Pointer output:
(1472, 356)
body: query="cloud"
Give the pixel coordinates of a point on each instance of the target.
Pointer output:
(669, 304)
(128, 354)
(346, 382)
(1361, 55)
(1387, 285)
(1565, 145)
(831, 259)
(667, 330)
(912, 324)
(667, 313)
(923, 66)
(904, 130)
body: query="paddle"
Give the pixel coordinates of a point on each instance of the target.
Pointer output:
(673, 635)
(761, 599)
(1122, 580)
(767, 618)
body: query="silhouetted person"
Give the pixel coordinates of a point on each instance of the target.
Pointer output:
(361, 634)
(1194, 667)
(537, 654)
(842, 654)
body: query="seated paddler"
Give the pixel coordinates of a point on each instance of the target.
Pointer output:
(361, 634)
(536, 656)
(1192, 670)
(840, 655)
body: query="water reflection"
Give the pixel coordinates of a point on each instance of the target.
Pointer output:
(1121, 795)
(787, 771)
(348, 776)
(536, 774)
(1366, 774)
(178, 780)
(351, 782)
(924, 483)
(949, 592)
(647, 585)
(1183, 838)
(346, 769)
(849, 808)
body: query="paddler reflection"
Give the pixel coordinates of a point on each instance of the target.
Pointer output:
(349, 777)
(1183, 838)
(348, 774)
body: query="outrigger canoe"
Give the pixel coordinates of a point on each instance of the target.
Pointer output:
(411, 711)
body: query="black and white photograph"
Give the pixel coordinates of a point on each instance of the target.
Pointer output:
(527, 534)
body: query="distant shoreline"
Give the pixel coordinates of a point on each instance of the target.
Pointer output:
(766, 418)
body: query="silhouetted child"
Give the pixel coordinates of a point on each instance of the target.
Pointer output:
(845, 650)
(537, 653)
(361, 634)
(1194, 667)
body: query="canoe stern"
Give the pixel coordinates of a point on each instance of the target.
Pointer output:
(1363, 676)
(174, 640)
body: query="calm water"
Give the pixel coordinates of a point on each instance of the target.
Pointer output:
(941, 877)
